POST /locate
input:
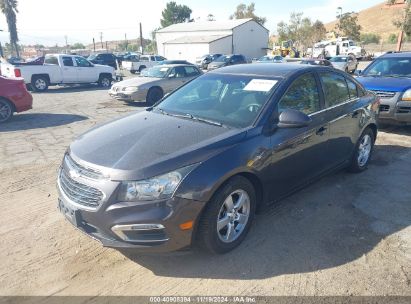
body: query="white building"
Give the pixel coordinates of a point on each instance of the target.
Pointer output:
(194, 39)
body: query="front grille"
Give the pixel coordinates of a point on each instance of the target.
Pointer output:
(83, 170)
(404, 110)
(384, 94)
(80, 193)
(384, 108)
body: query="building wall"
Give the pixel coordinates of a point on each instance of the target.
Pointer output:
(251, 40)
(164, 37)
(187, 52)
(221, 46)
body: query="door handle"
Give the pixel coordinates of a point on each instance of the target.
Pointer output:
(321, 131)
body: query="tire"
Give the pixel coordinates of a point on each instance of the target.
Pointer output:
(104, 81)
(141, 68)
(6, 110)
(216, 221)
(40, 83)
(363, 152)
(154, 95)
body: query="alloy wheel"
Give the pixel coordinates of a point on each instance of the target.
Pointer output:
(40, 84)
(5, 111)
(364, 150)
(233, 216)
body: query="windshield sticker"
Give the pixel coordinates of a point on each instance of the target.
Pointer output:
(260, 85)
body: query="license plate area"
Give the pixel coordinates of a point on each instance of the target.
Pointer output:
(71, 214)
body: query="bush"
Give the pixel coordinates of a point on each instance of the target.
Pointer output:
(392, 38)
(368, 38)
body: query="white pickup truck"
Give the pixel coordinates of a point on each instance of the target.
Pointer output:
(145, 61)
(60, 69)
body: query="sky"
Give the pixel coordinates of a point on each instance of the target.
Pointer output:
(47, 22)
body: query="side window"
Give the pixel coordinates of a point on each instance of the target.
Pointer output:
(159, 58)
(81, 62)
(335, 88)
(51, 60)
(352, 89)
(68, 61)
(302, 95)
(143, 58)
(191, 71)
(179, 72)
(152, 58)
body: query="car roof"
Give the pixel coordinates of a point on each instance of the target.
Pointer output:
(396, 54)
(171, 65)
(265, 69)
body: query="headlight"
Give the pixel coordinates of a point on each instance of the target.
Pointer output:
(406, 96)
(159, 187)
(130, 89)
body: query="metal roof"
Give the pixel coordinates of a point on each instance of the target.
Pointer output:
(204, 26)
(196, 39)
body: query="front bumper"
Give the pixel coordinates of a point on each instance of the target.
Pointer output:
(393, 111)
(128, 96)
(160, 222)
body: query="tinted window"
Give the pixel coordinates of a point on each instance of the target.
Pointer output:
(352, 88)
(191, 71)
(395, 66)
(335, 88)
(179, 72)
(144, 58)
(68, 61)
(51, 60)
(302, 95)
(152, 58)
(81, 62)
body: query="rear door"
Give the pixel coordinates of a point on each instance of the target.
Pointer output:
(298, 153)
(341, 100)
(69, 70)
(85, 71)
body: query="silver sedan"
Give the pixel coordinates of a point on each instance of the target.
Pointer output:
(154, 83)
(347, 63)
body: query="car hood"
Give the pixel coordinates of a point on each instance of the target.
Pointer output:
(136, 81)
(217, 64)
(385, 83)
(148, 144)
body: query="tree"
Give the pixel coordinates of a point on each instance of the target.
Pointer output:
(174, 13)
(77, 46)
(368, 38)
(392, 38)
(347, 24)
(243, 12)
(319, 31)
(9, 9)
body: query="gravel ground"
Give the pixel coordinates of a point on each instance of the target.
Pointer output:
(344, 235)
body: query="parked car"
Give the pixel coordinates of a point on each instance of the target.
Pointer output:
(193, 169)
(389, 76)
(226, 60)
(145, 61)
(347, 63)
(104, 59)
(34, 61)
(313, 61)
(154, 83)
(14, 97)
(274, 59)
(166, 62)
(60, 69)
(203, 61)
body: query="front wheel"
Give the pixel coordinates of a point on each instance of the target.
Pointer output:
(105, 81)
(227, 218)
(363, 152)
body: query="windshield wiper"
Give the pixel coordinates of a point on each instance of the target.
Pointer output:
(190, 116)
(207, 121)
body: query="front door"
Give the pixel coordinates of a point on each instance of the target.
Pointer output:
(298, 154)
(69, 70)
(85, 71)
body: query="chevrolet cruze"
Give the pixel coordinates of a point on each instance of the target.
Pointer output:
(193, 169)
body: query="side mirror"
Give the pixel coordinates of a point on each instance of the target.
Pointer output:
(293, 119)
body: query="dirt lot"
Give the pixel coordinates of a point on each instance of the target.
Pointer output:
(345, 235)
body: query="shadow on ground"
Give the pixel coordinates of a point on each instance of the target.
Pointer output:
(330, 223)
(28, 121)
(72, 89)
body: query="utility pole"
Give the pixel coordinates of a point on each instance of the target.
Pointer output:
(101, 39)
(141, 40)
(407, 5)
(125, 42)
(94, 45)
(65, 37)
(106, 46)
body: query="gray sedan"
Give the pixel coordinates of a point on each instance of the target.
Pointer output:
(154, 83)
(347, 63)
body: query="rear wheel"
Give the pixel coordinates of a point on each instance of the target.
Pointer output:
(40, 83)
(227, 217)
(154, 95)
(104, 81)
(141, 68)
(363, 152)
(6, 110)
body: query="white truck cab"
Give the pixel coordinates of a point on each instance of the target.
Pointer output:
(60, 69)
(145, 61)
(341, 46)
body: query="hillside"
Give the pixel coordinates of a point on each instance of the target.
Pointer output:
(377, 19)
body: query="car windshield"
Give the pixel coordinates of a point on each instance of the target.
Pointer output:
(225, 100)
(338, 59)
(91, 57)
(266, 58)
(223, 59)
(389, 67)
(155, 72)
